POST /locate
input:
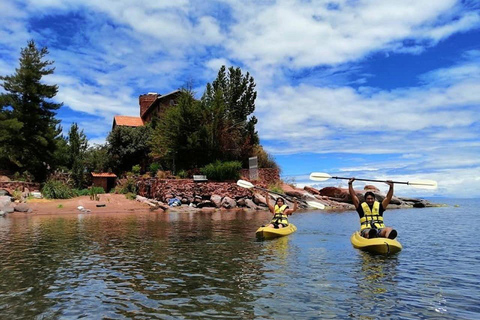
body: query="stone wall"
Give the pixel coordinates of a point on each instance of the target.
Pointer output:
(162, 189)
(19, 185)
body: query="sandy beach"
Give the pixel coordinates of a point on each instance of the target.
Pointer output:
(108, 203)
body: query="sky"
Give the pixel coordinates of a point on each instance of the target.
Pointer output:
(385, 90)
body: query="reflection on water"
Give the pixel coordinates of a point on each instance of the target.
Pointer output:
(209, 265)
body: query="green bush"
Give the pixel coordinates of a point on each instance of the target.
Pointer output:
(136, 169)
(87, 192)
(154, 167)
(222, 171)
(182, 174)
(80, 192)
(54, 189)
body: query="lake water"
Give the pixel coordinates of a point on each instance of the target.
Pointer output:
(209, 266)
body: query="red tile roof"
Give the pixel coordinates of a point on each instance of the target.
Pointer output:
(104, 175)
(128, 121)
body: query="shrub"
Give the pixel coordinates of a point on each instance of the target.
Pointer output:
(154, 167)
(136, 169)
(54, 189)
(87, 192)
(182, 174)
(17, 176)
(27, 176)
(127, 185)
(276, 188)
(221, 171)
(81, 192)
(130, 196)
(17, 195)
(265, 159)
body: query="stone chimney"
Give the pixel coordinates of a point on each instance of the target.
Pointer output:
(146, 100)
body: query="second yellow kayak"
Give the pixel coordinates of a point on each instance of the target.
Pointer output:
(271, 233)
(375, 245)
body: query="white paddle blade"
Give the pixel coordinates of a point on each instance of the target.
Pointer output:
(319, 176)
(424, 184)
(316, 205)
(245, 184)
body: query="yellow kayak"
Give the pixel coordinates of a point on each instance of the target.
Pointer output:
(270, 233)
(375, 245)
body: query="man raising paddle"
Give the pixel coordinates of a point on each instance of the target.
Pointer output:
(371, 213)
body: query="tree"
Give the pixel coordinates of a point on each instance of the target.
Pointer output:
(77, 146)
(178, 138)
(27, 115)
(97, 159)
(229, 103)
(128, 146)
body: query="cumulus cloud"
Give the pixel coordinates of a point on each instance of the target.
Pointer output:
(302, 55)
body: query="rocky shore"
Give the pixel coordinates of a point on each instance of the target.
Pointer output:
(231, 196)
(197, 196)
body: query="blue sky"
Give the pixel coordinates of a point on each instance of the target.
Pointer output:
(372, 89)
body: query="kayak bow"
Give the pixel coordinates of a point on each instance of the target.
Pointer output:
(271, 233)
(375, 245)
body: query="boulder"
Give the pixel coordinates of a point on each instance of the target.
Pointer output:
(241, 202)
(5, 201)
(206, 204)
(311, 190)
(250, 204)
(334, 192)
(228, 203)
(217, 200)
(22, 207)
(7, 209)
(259, 199)
(370, 187)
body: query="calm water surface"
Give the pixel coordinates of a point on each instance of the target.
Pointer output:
(208, 265)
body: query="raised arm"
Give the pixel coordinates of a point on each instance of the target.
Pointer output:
(270, 206)
(295, 206)
(389, 195)
(355, 200)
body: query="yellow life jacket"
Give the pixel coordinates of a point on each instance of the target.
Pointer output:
(371, 218)
(279, 217)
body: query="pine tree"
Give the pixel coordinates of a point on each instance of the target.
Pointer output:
(234, 128)
(27, 115)
(77, 143)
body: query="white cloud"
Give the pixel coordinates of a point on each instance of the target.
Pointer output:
(304, 34)
(115, 50)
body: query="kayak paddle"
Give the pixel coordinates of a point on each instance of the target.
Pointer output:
(426, 184)
(249, 185)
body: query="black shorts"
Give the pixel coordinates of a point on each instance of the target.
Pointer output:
(364, 232)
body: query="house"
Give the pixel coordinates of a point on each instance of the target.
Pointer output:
(105, 180)
(150, 104)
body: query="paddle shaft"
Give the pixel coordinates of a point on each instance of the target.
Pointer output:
(282, 195)
(373, 180)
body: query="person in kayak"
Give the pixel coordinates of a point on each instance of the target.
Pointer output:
(280, 212)
(371, 213)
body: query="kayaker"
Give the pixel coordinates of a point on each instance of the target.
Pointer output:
(280, 212)
(371, 213)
